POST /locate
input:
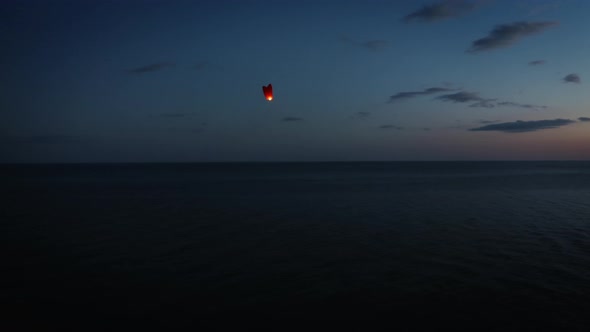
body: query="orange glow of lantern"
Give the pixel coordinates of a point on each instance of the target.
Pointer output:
(267, 90)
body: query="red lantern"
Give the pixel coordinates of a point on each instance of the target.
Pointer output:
(267, 90)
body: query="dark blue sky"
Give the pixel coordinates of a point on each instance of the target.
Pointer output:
(127, 81)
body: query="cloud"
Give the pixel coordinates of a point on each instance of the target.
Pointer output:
(477, 101)
(485, 103)
(524, 126)
(507, 34)
(537, 62)
(584, 119)
(465, 97)
(412, 94)
(513, 104)
(462, 97)
(151, 68)
(291, 119)
(388, 126)
(440, 10)
(375, 45)
(572, 78)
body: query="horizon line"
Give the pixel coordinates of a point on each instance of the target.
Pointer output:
(290, 162)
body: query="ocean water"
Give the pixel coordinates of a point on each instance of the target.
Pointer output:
(393, 246)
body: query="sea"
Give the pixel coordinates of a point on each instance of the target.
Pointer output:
(365, 246)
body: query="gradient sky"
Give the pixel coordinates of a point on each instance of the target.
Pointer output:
(159, 81)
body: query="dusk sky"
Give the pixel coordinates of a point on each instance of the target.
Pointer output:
(181, 81)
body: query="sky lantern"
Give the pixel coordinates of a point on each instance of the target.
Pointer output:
(267, 90)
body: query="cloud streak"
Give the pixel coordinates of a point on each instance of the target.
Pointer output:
(513, 104)
(477, 101)
(524, 126)
(473, 98)
(537, 62)
(461, 97)
(504, 35)
(584, 119)
(465, 97)
(572, 78)
(411, 94)
(439, 11)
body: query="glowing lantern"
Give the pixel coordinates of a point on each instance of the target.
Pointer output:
(267, 90)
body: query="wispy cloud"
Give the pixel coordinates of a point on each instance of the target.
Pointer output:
(468, 97)
(151, 68)
(524, 126)
(411, 94)
(584, 119)
(504, 35)
(537, 62)
(461, 97)
(291, 119)
(572, 78)
(485, 103)
(440, 10)
(389, 126)
(477, 101)
(513, 104)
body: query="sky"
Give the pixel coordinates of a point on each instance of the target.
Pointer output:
(365, 80)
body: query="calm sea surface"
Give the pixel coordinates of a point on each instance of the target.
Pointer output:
(485, 245)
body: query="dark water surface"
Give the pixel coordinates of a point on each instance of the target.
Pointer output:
(483, 245)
